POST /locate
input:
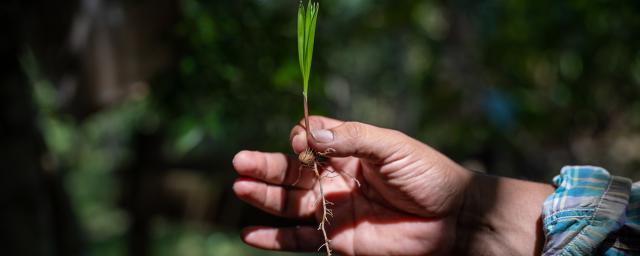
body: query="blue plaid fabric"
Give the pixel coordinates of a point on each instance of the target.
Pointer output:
(592, 213)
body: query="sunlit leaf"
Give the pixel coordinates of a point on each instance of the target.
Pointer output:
(307, 18)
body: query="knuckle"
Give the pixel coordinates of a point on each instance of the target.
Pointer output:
(398, 140)
(355, 130)
(397, 134)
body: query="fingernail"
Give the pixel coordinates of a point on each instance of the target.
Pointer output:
(322, 135)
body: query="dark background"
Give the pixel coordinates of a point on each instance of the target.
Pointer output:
(119, 118)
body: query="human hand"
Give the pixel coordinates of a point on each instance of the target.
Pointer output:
(408, 202)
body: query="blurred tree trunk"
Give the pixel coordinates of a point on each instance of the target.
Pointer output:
(36, 216)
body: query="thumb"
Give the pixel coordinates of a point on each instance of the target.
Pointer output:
(359, 140)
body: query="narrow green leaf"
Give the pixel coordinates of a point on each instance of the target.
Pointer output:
(307, 25)
(311, 39)
(301, 38)
(307, 18)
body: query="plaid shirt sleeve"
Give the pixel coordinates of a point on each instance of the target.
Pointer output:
(592, 213)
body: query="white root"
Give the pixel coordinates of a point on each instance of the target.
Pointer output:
(325, 212)
(314, 160)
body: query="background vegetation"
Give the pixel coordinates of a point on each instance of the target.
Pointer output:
(120, 117)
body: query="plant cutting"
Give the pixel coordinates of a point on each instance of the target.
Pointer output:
(309, 158)
(307, 19)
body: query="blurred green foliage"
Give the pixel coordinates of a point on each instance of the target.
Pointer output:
(520, 76)
(516, 88)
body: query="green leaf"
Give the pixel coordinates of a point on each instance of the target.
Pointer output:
(301, 37)
(312, 32)
(307, 18)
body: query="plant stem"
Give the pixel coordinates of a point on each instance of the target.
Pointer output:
(306, 116)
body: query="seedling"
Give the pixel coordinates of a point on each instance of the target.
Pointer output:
(310, 159)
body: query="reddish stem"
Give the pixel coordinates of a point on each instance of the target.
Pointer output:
(306, 117)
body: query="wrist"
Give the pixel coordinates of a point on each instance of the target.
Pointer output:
(476, 234)
(501, 216)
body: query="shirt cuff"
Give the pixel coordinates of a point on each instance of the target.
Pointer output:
(588, 205)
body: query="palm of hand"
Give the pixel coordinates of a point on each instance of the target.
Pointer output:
(376, 218)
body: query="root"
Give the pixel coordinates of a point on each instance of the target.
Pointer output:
(299, 174)
(325, 213)
(350, 176)
(343, 173)
(338, 173)
(331, 151)
(315, 161)
(326, 152)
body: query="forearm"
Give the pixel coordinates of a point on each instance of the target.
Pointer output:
(501, 216)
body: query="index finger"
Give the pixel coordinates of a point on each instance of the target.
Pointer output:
(273, 168)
